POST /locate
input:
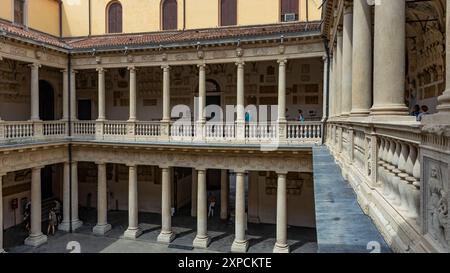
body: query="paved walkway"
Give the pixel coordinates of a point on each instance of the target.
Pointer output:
(341, 224)
(261, 236)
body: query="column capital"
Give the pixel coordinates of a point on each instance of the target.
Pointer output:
(100, 163)
(240, 172)
(100, 70)
(348, 7)
(131, 165)
(201, 66)
(34, 65)
(282, 61)
(240, 64)
(131, 68)
(282, 173)
(165, 67)
(164, 167)
(37, 168)
(200, 169)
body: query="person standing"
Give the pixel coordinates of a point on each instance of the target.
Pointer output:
(52, 221)
(212, 204)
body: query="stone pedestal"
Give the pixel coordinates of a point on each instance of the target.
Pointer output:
(101, 229)
(36, 240)
(132, 233)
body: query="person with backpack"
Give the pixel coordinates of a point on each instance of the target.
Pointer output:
(52, 221)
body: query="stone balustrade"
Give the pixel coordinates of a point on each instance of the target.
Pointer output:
(150, 131)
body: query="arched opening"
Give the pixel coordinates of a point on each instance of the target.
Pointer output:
(169, 15)
(114, 17)
(46, 101)
(228, 12)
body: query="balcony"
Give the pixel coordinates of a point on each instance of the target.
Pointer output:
(291, 133)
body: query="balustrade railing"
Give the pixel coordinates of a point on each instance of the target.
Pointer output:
(154, 131)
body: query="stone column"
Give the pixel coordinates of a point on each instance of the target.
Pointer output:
(201, 101)
(282, 91)
(166, 235)
(133, 230)
(240, 102)
(325, 94)
(194, 193)
(132, 116)
(338, 93)
(73, 95)
(281, 245)
(389, 59)
(76, 223)
(240, 243)
(224, 190)
(347, 52)
(35, 91)
(36, 238)
(102, 226)
(362, 59)
(202, 239)
(101, 94)
(1, 214)
(65, 94)
(332, 95)
(166, 93)
(444, 99)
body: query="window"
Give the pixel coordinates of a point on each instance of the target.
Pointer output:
(19, 12)
(289, 10)
(114, 17)
(169, 15)
(228, 12)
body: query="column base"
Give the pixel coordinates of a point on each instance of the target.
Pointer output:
(36, 240)
(132, 233)
(101, 229)
(65, 226)
(201, 242)
(281, 248)
(165, 237)
(239, 246)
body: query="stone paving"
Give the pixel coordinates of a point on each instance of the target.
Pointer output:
(261, 236)
(342, 226)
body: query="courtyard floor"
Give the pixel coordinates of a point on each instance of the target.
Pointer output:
(261, 236)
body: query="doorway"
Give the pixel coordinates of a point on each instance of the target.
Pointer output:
(47, 182)
(46, 101)
(84, 109)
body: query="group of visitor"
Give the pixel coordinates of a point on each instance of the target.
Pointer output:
(54, 217)
(419, 112)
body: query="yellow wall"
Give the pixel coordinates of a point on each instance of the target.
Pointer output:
(6, 10)
(202, 14)
(75, 18)
(253, 12)
(145, 16)
(43, 15)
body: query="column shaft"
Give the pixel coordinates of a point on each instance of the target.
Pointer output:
(201, 92)
(132, 115)
(240, 99)
(102, 202)
(65, 93)
(166, 235)
(202, 240)
(281, 244)
(338, 102)
(133, 230)
(326, 84)
(282, 90)
(166, 93)
(362, 59)
(36, 237)
(389, 61)
(35, 91)
(347, 61)
(240, 243)
(73, 95)
(101, 94)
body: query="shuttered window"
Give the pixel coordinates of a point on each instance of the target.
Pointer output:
(19, 8)
(115, 18)
(228, 12)
(169, 13)
(289, 10)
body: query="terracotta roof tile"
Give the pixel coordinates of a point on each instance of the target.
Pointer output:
(36, 36)
(158, 38)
